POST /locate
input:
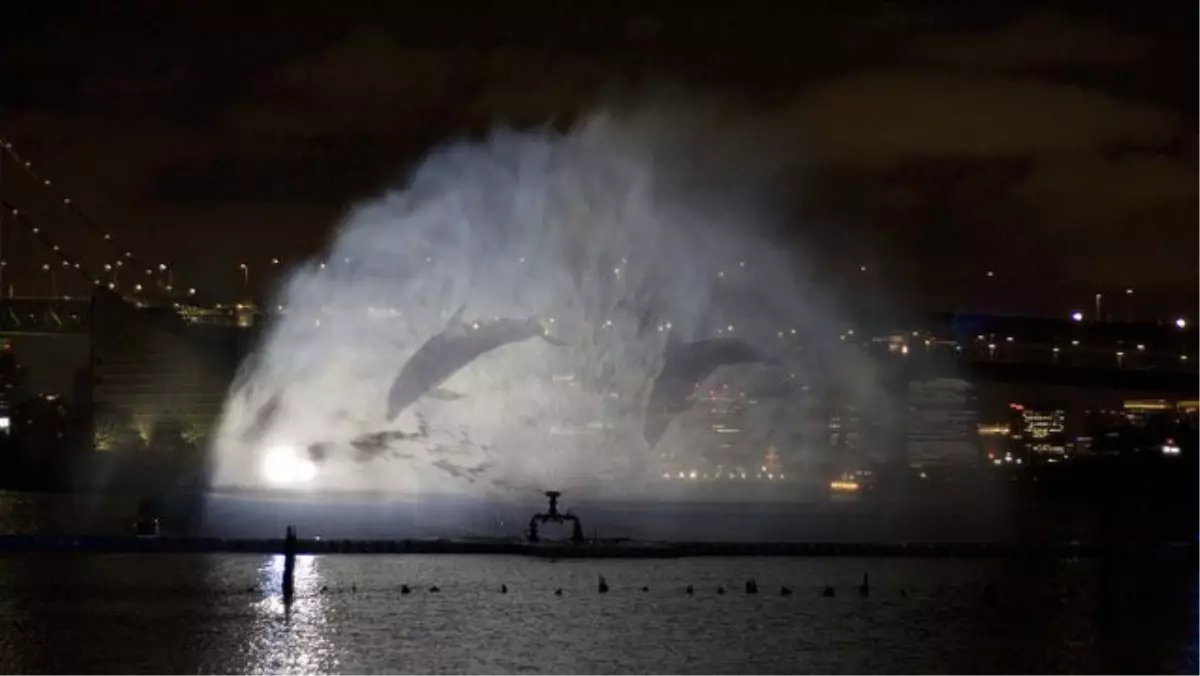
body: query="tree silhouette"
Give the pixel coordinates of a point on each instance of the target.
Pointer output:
(113, 430)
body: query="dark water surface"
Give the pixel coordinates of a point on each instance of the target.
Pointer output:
(224, 613)
(176, 613)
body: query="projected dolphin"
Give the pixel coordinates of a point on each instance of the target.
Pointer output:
(447, 352)
(685, 365)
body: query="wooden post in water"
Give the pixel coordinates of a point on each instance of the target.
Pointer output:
(289, 566)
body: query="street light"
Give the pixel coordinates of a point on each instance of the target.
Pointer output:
(1181, 322)
(53, 280)
(1077, 316)
(245, 275)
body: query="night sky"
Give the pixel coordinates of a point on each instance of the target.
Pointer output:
(1053, 144)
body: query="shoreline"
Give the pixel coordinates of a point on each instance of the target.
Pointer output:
(31, 544)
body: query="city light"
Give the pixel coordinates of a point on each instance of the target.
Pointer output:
(1077, 316)
(1181, 323)
(844, 486)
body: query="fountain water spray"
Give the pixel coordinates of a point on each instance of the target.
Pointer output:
(621, 242)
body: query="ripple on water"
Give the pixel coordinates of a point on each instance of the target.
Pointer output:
(224, 613)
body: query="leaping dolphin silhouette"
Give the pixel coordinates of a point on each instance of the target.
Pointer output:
(685, 365)
(444, 354)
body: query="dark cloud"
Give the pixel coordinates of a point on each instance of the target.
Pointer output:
(881, 117)
(1083, 190)
(940, 139)
(1002, 158)
(297, 169)
(1038, 39)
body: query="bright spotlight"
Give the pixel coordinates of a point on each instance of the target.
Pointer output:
(1181, 323)
(286, 465)
(1077, 316)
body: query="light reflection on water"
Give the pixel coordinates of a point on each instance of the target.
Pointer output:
(225, 614)
(295, 638)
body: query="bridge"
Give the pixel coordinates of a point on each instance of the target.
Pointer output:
(39, 316)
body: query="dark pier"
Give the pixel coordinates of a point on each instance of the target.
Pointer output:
(290, 542)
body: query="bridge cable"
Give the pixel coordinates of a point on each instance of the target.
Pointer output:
(67, 261)
(90, 224)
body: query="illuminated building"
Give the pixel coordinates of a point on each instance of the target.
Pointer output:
(727, 443)
(771, 461)
(8, 383)
(241, 315)
(728, 449)
(994, 430)
(244, 314)
(844, 486)
(1188, 406)
(1041, 432)
(995, 440)
(942, 423)
(1138, 412)
(845, 431)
